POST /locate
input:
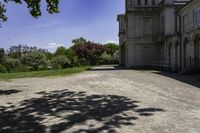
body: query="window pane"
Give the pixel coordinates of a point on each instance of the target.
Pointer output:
(197, 17)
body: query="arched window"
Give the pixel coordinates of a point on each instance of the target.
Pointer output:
(185, 54)
(169, 55)
(177, 54)
(197, 51)
(197, 46)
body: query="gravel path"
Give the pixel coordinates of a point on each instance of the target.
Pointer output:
(102, 100)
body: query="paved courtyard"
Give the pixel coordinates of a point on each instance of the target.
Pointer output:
(102, 100)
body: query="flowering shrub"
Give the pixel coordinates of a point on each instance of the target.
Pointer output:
(91, 52)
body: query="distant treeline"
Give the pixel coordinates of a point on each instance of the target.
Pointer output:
(82, 53)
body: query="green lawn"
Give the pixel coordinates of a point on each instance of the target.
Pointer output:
(63, 72)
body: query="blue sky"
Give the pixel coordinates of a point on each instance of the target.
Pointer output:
(93, 19)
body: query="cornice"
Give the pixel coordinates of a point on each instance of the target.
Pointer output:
(139, 12)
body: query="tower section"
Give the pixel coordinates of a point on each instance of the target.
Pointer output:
(142, 18)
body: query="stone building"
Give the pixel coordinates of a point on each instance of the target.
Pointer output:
(162, 33)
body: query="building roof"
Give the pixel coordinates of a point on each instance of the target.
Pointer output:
(120, 16)
(189, 2)
(181, 2)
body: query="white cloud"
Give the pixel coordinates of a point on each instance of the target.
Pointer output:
(112, 41)
(55, 45)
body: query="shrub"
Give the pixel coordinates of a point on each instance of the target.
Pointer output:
(3, 69)
(105, 58)
(35, 59)
(91, 52)
(60, 62)
(12, 64)
(116, 57)
(112, 48)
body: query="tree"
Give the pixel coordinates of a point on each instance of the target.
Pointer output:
(60, 61)
(70, 53)
(60, 50)
(112, 48)
(15, 51)
(18, 50)
(2, 55)
(78, 42)
(32, 5)
(49, 55)
(90, 52)
(12, 64)
(34, 59)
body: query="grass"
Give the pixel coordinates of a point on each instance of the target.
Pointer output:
(63, 72)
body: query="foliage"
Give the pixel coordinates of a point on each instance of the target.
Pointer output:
(60, 62)
(18, 50)
(116, 56)
(91, 52)
(78, 43)
(105, 58)
(12, 64)
(2, 55)
(82, 53)
(49, 55)
(34, 59)
(63, 72)
(112, 48)
(70, 54)
(34, 7)
(60, 50)
(2, 12)
(3, 69)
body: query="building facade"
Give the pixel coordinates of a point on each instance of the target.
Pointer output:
(162, 33)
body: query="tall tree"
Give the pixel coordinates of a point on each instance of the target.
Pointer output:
(60, 50)
(78, 42)
(91, 52)
(18, 50)
(32, 5)
(112, 48)
(2, 55)
(15, 51)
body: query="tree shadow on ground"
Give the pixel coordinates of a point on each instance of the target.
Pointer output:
(62, 110)
(8, 92)
(193, 80)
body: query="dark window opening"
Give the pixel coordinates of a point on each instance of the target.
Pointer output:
(146, 2)
(139, 2)
(153, 2)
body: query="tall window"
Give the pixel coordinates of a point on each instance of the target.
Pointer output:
(146, 2)
(163, 26)
(131, 2)
(186, 22)
(147, 26)
(176, 23)
(197, 17)
(153, 2)
(139, 2)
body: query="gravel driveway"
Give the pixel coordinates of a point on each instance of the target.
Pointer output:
(102, 100)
